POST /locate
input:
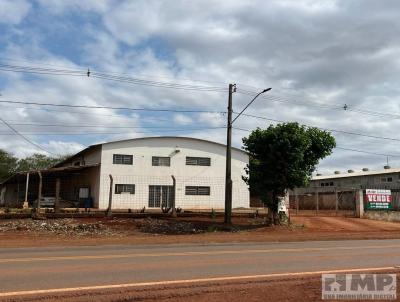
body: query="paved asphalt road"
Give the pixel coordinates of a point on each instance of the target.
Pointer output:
(25, 269)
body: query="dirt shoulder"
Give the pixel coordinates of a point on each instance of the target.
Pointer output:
(296, 288)
(203, 230)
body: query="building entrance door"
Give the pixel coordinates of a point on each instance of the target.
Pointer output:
(161, 196)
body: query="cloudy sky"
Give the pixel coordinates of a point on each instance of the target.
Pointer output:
(316, 55)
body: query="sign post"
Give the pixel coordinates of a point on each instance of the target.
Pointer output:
(378, 199)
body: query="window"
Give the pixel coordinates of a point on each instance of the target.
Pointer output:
(119, 188)
(122, 159)
(386, 179)
(84, 192)
(194, 190)
(161, 161)
(198, 161)
(327, 184)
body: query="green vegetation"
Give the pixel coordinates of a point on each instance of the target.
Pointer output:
(283, 157)
(9, 164)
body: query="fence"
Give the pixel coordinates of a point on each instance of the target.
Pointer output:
(334, 200)
(155, 191)
(133, 192)
(323, 201)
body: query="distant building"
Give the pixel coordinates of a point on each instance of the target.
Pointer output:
(143, 170)
(338, 191)
(387, 178)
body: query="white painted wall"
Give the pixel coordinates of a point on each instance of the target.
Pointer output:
(143, 174)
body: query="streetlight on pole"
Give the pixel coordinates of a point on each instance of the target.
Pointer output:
(228, 174)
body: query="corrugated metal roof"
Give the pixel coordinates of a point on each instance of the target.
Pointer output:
(355, 174)
(51, 170)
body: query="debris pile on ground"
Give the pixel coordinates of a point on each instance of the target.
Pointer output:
(157, 226)
(173, 227)
(58, 227)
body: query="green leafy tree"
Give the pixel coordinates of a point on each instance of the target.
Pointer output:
(8, 165)
(283, 157)
(37, 161)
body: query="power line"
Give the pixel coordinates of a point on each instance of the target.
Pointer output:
(154, 118)
(274, 98)
(181, 111)
(71, 72)
(342, 148)
(111, 107)
(174, 110)
(99, 126)
(110, 77)
(368, 152)
(24, 137)
(113, 133)
(325, 129)
(137, 81)
(182, 79)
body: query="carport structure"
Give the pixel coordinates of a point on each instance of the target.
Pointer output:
(55, 187)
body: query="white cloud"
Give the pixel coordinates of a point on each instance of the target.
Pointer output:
(333, 52)
(63, 148)
(213, 119)
(59, 7)
(13, 11)
(181, 119)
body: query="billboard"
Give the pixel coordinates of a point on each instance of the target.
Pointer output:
(378, 199)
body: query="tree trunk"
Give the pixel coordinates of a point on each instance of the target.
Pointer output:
(277, 221)
(274, 209)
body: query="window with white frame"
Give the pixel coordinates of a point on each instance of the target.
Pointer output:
(161, 161)
(124, 188)
(198, 161)
(197, 190)
(122, 159)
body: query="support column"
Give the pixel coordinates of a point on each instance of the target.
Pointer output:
(57, 200)
(296, 196)
(39, 191)
(17, 189)
(317, 201)
(25, 206)
(109, 209)
(336, 201)
(359, 204)
(173, 211)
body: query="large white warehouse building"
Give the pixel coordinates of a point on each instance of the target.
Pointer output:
(142, 170)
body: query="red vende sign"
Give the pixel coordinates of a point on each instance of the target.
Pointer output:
(378, 199)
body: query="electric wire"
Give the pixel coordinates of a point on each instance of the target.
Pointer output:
(25, 138)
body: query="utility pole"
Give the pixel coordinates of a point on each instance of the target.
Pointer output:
(228, 173)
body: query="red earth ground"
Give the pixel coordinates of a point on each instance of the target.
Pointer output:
(126, 231)
(299, 288)
(304, 288)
